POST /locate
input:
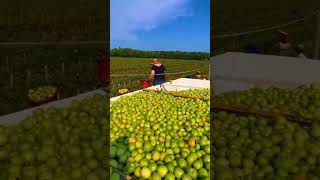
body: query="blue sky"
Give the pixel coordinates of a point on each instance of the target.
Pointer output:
(182, 25)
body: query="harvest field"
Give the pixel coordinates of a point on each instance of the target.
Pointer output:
(72, 70)
(127, 72)
(248, 15)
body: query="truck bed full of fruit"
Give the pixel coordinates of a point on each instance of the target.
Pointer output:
(240, 71)
(15, 118)
(175, 85)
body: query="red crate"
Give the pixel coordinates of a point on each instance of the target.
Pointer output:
(104, 69)
(145, 83)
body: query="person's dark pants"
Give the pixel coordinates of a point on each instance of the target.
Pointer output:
(158, 82)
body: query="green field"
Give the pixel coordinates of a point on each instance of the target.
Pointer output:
(131, 70)
(72, 69)
(241, 16)
(57, 20)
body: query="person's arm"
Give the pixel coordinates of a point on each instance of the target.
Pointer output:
(151, 74)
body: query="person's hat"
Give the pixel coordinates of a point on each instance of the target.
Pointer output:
(155, 61)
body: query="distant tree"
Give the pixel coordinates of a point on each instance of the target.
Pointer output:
(127, 52)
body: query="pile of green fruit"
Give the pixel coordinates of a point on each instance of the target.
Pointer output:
(119, 153)
(123, 91)
(58, 143)
(302, 101)
(161, 136)
(42, 93)
(196, 93)
(249, 147)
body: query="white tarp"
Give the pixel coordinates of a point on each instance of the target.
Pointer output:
(15, 118)
(175, 85)
(236, 71)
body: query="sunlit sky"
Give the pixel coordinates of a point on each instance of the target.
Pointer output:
(182, 25)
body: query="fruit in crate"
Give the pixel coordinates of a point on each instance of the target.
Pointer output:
(42, 93)
(159, 136)
(123, 91)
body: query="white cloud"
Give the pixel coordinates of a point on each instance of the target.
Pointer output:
(131, 16)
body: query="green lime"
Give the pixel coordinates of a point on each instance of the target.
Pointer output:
(155, 176)
(144, 162)
(191, 158)
(182, 163)
(162, 170)
(153, 166)
(170, 167)
(156, 156)
(186, 177)
(145, 173)
(178, 172)
(192, 172)
(198, 164)
(203, 173)
(170, 176)
(206, 159)
(137, 172)
(115, 176)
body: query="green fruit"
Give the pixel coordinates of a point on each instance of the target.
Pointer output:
(315, 131)
(186, 177)
(155, 176)
(147, 147)
(191, 158)
(178, 172)
(137, 172)
(206, 159)
(139, 144)
(156, 156)
(169, 176)
(192, 172)
(113, 163)
(182, 163)
(115, 176)
(162, 170)
(198, 164)
(203, 173)
(113, 152)
(145, 173)
(153, 167)
(130, 168)
(170, 167)
(144, 163)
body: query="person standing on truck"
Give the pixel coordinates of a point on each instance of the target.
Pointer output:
(157, 72)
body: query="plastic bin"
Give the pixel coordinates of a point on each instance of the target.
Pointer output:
(145, 83)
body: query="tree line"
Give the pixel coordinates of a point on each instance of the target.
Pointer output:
(127, 52)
